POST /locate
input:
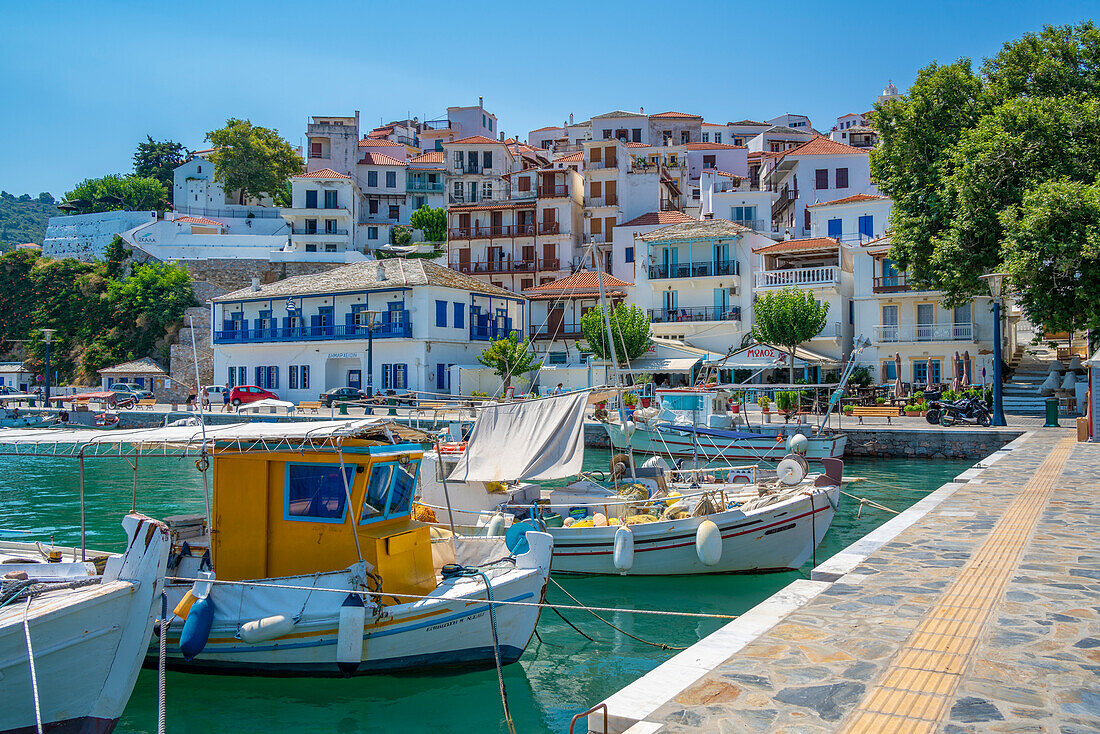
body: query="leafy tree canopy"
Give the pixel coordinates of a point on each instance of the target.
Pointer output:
(432, 221)
(102, 315)
(253, 160)
(629, 329)
(510, 357)
(158, 159)
(965, 154)
(786, 318)
(23, 219)
(115, 192)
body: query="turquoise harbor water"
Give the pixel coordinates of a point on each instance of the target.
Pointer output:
(557, 677)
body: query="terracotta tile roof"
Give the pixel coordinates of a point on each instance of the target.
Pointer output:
(747, 122)
(432, 156)
(712, 146)
(577, 157)
(530, 204)
(638, 145)
(323, 173)
(581, 284)
(808, 244)
(544, 129)
(476, 140)
(716, 172)
(381, 159)
(399, 272)
(198, 220)
(678, 115)
(618, 113)
(853, 199)
(662, 218)
(712, 124)
(376, 143)
(821, 145)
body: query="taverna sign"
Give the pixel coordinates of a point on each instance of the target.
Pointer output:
(761, 355)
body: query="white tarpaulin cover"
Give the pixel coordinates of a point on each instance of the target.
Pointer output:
(531, 440)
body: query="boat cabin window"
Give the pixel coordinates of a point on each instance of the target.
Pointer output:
(316, 492)
(389, 491)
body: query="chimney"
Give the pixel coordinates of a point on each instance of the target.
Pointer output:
(255, 284)
(502, 136)
(381, 270)
(641, 110)
(570, 118)
(480, 101)
(708, 215)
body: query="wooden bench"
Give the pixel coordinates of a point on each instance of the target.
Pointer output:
(313, 405)
(875, 411)
(146, 403)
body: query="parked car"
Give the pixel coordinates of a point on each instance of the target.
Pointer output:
(139, 392)
(244, 394)
(340, 393)
(213, 394)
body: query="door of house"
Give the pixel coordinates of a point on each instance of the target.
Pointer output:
(889, 323)
(529, 256)
(497, 223)
(355, 378)
(867, 227)
(549, 256)
(464, 223)
(836, 228)
(926, 321)
(555, 318)
(464, 260)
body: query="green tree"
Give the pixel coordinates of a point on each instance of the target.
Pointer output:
(1052, 253)
(786, 318)
(114, 192)
(432, 221)
(510, 357)
(629, 328)
(253, 160)
(964, 154)
(158, 159)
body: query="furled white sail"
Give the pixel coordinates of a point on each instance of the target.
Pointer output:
(532, 440)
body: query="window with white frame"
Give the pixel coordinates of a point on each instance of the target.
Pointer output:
(487, 190)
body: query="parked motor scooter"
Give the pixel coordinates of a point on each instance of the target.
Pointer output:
(967, 410)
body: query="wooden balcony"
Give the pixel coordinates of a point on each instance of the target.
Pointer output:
(505, 265)
(475, 233)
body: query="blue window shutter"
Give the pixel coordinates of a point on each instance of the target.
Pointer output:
(718, 300)
(460, 316)
(259, 376)
(835, 228)
(349, 321)
(440, 313)
(867, 225)
(274, 378)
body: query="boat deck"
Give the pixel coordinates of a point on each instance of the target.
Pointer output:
(974, 610)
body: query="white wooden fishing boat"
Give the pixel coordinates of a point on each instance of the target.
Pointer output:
(88, 632)
(312, 564)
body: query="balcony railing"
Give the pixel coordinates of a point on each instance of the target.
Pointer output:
(330, 232)
(693, 313)
(506, 265)
(549, 192)
(598, 165)
(670, 206)
(570, 330)
(399, 328)
(419, 186)
(598, 238)
(829, 331)
(549, 227)
(892, 284)
(757, 225)
(491, 330)
(475, 233)
(701, 269)
(528, 194)
(594, 202)
(821, 276)
(925, 333)
(785, 199)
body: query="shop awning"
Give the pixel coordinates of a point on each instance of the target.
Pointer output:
(680, 365)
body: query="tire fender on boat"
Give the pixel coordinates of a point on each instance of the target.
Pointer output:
(196, 628)
(708, 543)
(623, 556)
(349, 635)
(267, 628)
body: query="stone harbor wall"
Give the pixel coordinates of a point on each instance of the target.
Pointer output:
(233, 274)
(927, 443)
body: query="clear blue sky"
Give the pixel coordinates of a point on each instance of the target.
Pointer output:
(83, 82)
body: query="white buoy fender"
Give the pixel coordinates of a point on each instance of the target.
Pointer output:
(708, 543)
(349, 637)
(628, 429)
(623, 556)
(798, 444)
(496, 526)
(268, 628)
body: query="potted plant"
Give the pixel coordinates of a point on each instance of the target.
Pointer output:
(847, 409)
(913, 410)
(643, 382)
(735, 401)
(880, 401)
(765, 407)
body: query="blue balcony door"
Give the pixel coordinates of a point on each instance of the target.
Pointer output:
(670, 258)
(866, 226)
(836, 228)
(721, 302)
(442, 378)
(721, 257)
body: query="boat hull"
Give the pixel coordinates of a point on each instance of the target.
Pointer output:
(765, 447)
(450, 629)
(88, 642)
(776, 538)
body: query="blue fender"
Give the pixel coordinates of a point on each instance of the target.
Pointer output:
(196, 628)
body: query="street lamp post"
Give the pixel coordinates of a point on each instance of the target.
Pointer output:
(371, 315)
(996, 283)
(47, 335)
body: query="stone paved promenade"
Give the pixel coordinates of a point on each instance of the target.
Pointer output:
(983, 615)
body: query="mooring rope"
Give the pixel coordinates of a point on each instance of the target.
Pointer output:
(864, 501)
(30, 660)
(498, 602)
(496, 653)
(162, 657)
(661, 645)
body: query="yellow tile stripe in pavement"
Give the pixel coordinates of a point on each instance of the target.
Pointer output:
(917, 687)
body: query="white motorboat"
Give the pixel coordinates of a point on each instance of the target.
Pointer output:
(88, 633)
